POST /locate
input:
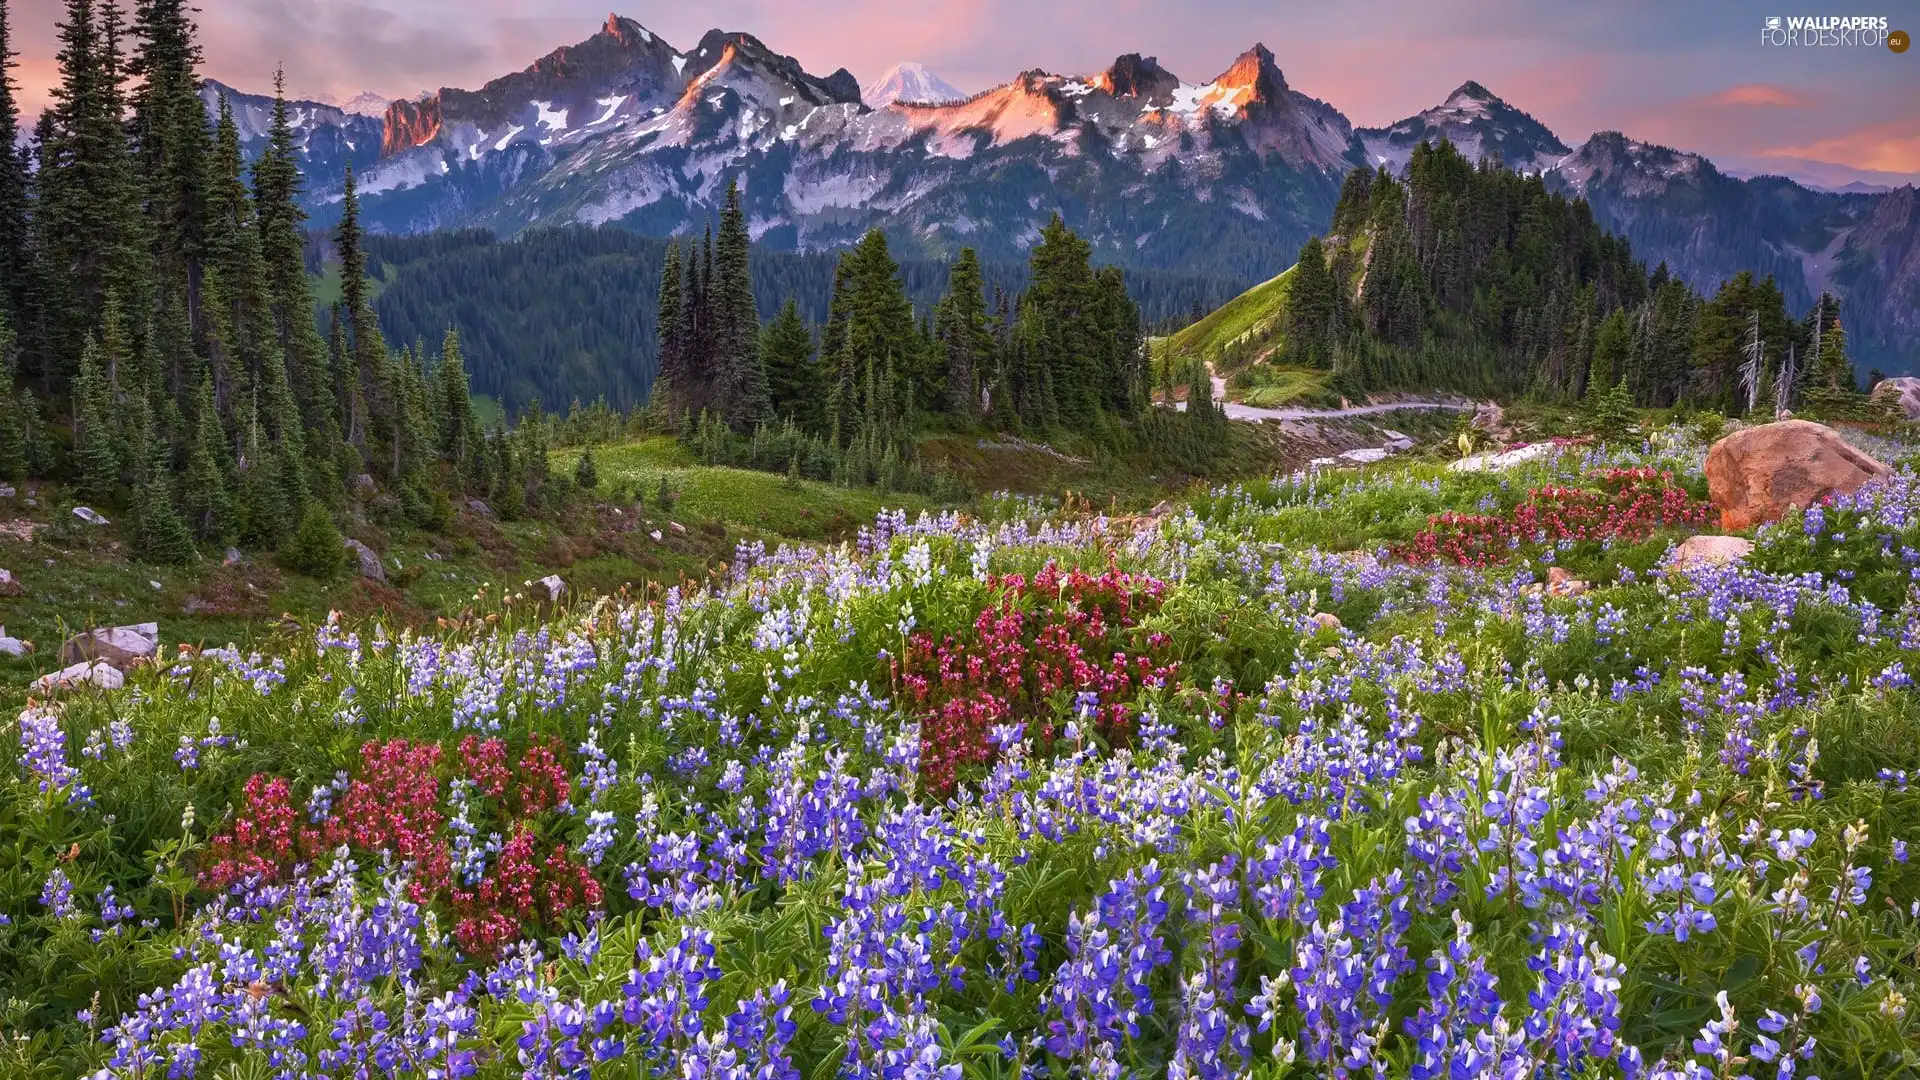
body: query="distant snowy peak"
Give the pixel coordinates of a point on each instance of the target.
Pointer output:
(1626, 166)
(910, 82)
(366, 103)
(1476, 121)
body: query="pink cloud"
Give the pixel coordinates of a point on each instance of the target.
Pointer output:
(1891, 147)
(1751, 94)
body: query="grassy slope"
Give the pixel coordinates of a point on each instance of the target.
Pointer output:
(75, 576)
(1253, 315)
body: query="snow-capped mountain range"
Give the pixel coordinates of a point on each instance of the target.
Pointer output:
(1228, 175)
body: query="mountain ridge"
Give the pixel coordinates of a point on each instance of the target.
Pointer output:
(1232, 174)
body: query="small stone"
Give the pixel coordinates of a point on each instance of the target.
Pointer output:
(1561, 582)
(678, 529)
(89, 515)
(655, 534)
(481, 508)
(6, 491)
(12, 646)
(1326, 620)
(232, 557)
(156, 586)
(1366, 456)
(10, 585)
(553, 587)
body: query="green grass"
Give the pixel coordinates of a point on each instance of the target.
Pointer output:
(488, 411)
(757, 501)
(1268, 387)
(1253, 316)
(327, 289)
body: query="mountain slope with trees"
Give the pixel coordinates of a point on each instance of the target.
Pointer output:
(1478, 279)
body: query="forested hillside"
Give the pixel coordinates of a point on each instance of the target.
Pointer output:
(562, 314)
(1476, 278)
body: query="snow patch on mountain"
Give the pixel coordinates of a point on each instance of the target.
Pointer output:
(910, 82)
(366, 103)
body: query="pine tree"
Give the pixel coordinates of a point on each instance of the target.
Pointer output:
(96, 453)
(741, 391)
(163, 537)
(965, 341)
(671, 333)
(15, 259)
(585, 473)
(173, 144)
(206, 502)
(459, 430)
(13, 432)
(793, 379)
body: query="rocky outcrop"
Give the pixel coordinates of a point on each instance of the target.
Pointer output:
(1757, 475)
(410, 124)
(1902, 393)
(97, 672)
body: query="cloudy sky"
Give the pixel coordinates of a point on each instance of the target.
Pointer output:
(1686, 73)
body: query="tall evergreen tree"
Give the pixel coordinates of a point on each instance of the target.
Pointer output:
(15, 262)
(740, 375)
(96, 450)
(964, 337)
(792, 376)
(672, 375)
(206, 497)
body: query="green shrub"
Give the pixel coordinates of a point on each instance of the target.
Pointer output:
(316, 548)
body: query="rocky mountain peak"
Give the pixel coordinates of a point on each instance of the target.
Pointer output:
(1139, 76)
(1255, 71)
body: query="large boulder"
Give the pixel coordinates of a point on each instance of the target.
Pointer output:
(1707, 550)
(1903, 392)
(98, 672)
(1758, 474)
(370, 567)
(119, 646)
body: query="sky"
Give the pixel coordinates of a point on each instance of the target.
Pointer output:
(1692, 74)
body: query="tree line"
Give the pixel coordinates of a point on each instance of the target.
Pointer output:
(842, 401)
(1478, 279)
(556, 314)
(158, 322)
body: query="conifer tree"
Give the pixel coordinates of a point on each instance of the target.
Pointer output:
(965, 341)
(459, 430)
(13, 432)
(15, 261)
(741, 393)
(585, 473)
(792, 376)
(163, 536)
(671, 333)
(96, 455)
(206, 499)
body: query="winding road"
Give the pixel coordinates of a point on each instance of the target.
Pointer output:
(1237, 411)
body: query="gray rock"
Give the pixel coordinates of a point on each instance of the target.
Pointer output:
(10, 585)
(120, 646)
(233, 558)
(1366, 456)
(364, 482)
(98, 672)
(1903, 392)
(551, 588)
(91, 516)
(370, 567)
(1708, 550)
(12, 646)
(6, 491)
(481, 508)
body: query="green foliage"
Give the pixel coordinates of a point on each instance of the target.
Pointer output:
(584, 473)
(316, 548)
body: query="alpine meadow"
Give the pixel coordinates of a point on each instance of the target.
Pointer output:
(669, 566)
